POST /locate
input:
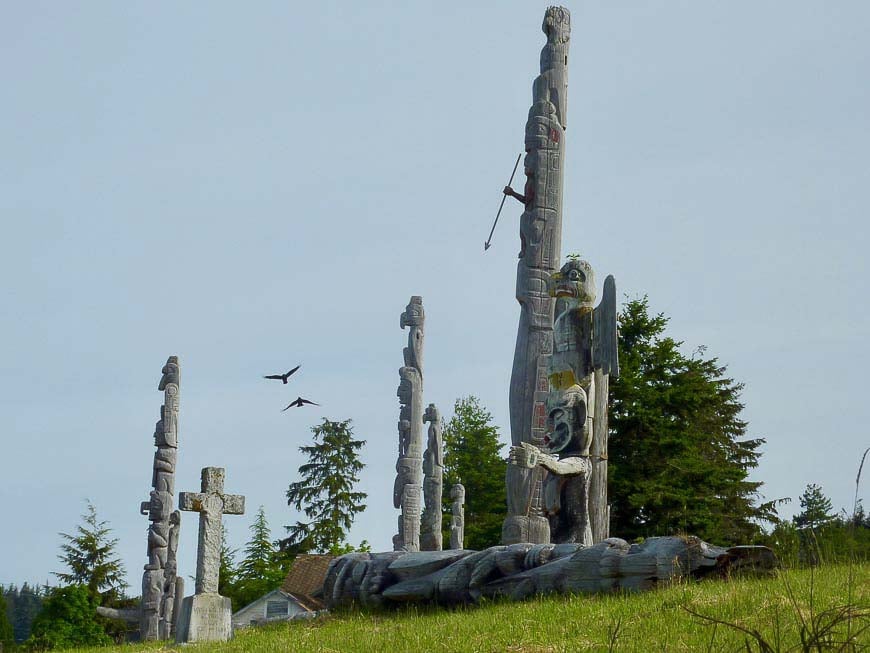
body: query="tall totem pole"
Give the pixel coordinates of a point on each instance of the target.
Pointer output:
(161, 587)
(540, 237)
(408, 489)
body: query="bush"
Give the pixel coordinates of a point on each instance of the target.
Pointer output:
(68, 619)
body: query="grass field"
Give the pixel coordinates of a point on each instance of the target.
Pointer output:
(778, 608)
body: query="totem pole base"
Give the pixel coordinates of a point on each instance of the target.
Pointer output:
(205, 618)
(520, 528)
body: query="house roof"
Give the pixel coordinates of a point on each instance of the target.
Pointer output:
(306, 576)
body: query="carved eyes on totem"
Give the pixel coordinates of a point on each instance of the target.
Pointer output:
(557, 414)
(576, 275)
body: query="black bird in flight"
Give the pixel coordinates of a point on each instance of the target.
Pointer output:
(282, 377)
(299, 403)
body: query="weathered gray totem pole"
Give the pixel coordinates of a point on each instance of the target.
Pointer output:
(540, 237)
(433, 481)
(408, 489)
(457, 518)
(160, 582)
(584, 348)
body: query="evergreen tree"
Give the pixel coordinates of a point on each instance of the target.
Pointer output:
(7, 634)
(26, 604)
(325, 493)
(679, 458)
(817, 509)
(260, 571)
(92, 561)
(227, 571)
(471, 457)
(68, 619)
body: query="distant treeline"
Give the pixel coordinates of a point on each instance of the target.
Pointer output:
(22, 605)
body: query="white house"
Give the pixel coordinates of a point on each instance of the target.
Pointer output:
(277, 605)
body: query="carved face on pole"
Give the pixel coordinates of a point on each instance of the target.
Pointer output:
(566, 420)
(575, 282)
(557, 24)
(170, 373)
(413, 315)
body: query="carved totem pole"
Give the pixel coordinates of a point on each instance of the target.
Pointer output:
(540, 236)
(160, 583)
(457, 520)
(584, 351)
(433, 481)
(408, 489)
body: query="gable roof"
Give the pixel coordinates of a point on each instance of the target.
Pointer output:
(306, 576)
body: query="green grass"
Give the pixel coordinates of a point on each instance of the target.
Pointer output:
(776, 607)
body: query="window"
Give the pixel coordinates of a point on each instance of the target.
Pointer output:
(276, 609)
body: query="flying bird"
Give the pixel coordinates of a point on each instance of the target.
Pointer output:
(299, 403)
(282, 377)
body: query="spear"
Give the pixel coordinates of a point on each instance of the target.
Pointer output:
(500, 206)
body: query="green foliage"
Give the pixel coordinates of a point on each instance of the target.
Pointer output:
(7, 633)
(261, 570)
(325, 493)
(817, 508)
(471, 457)
(227, 571)
(22, 607)
(91, 558)
(679, 459)
(68, 618)
(341, 549)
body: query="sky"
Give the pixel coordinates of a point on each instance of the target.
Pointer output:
(260, 186)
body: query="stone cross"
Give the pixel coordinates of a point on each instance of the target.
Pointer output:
(211, 504)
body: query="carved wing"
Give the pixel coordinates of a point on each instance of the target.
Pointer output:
(604, 334)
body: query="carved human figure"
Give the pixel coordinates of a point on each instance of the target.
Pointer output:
(433, 475)
(457, 519)
(167, 612)
(584, 340)
(540, 243)
(566, 459)
(414, 318)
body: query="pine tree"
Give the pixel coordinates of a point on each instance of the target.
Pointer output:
(260, 571)
(325, 493)
(91, 558)
(471, 457)
(679, 458)
(817, 509)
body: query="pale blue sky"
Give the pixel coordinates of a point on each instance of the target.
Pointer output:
(252, 187)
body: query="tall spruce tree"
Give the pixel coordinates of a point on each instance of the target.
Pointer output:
(92, 559)
(679, 456)
(472, 457)
(325, 493)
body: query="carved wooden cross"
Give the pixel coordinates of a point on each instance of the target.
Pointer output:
(211, 504)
